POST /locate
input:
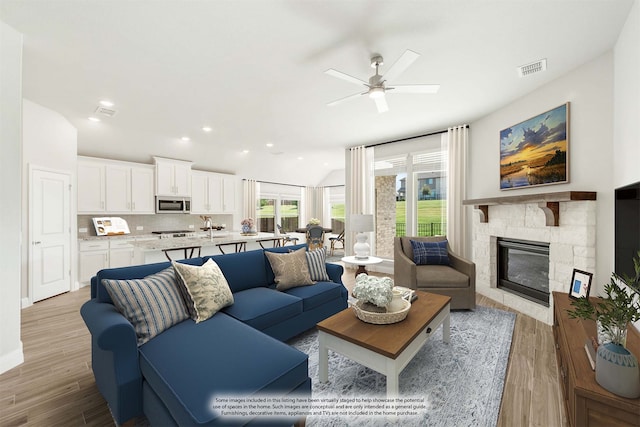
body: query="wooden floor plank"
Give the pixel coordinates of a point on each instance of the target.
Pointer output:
(55, 384)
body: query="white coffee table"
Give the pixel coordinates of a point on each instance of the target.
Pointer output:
(361, 262)
(384, 348)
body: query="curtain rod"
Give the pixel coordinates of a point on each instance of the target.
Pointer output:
(438, 132)
(294, 185)
(276, 183)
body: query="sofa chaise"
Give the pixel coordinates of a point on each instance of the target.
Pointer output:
(173, 377)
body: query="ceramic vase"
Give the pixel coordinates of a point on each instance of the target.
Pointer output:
(397, 303)
(246, 229)
(617, 370)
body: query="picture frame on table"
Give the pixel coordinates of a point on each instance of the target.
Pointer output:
(580, 284)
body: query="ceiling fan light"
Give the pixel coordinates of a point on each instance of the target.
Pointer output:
(376, 92)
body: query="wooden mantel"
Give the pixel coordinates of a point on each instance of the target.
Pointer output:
(548, 202)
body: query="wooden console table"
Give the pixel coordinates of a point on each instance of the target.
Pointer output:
(586, 402)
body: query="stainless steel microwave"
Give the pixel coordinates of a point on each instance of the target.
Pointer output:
(173, 205)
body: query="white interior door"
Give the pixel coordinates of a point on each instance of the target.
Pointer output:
(50, 233)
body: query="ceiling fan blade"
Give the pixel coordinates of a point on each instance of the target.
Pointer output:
(414, 88)
(347, 77)
(346, 98)
(381, 103)
(400, 65)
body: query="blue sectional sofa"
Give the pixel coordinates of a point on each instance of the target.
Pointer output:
(172, 378)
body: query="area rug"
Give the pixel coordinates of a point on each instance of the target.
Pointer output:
(461, 383)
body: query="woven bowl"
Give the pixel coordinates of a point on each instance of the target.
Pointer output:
(381, 318)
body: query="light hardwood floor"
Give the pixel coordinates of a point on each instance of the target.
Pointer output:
(55, 385)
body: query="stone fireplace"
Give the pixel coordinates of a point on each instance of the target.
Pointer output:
(566, 221)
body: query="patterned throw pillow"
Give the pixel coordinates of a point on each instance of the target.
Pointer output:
(430, 253)
(291, 269)
(317, 267)
(151, 305)
(206, 288)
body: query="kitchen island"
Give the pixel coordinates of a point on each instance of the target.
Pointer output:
(150, 251)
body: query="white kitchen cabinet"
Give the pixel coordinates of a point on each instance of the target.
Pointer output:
(110, 186)
(129, 189)
(173, 177)
(212, 193)
(142, 189)
(93, 257)
(121, 253)
(91, 186)
(229, 191)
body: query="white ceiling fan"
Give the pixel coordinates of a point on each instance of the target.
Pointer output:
(377, 85)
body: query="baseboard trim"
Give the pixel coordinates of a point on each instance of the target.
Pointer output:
(12, 359)
(26, 302)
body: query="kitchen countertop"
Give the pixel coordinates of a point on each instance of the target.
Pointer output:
(202, 239)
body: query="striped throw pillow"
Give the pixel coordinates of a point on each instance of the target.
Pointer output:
(317, 268)
(152, 304)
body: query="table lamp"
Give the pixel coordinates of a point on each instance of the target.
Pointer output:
(361, 224)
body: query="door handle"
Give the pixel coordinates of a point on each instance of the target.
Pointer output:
(36, 243)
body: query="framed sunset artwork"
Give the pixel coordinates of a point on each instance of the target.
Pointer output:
(536, 151)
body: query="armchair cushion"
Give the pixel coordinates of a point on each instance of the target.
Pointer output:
(430, 253)
(441, 276)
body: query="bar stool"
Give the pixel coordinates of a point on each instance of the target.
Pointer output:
(239, 246)
(186, 249)
(275, 241)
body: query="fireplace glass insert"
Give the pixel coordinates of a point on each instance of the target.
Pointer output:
(523, 269)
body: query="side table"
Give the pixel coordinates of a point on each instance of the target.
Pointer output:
(361, 262)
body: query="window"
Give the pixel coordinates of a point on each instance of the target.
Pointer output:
(336, 208)
(289, 214)
(279, 204)
(411, 191)
(266, 215)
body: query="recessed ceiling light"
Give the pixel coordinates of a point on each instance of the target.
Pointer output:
(326, 164)
(300, 158)
(207, 128)
(185, 138)
(245, 151)
(269, 144)
(94, 119)
(106, 103)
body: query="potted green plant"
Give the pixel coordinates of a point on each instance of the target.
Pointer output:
(616, 309)
(616, 368)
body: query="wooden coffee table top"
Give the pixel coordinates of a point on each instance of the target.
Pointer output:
(388, 340)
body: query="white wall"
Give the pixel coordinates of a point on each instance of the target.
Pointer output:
(589, 89)
(626, 119)
(48, 141)
(10, 209)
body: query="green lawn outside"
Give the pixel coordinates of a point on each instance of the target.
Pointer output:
(429, 211)
(285, 211)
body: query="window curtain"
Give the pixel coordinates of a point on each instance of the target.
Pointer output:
(314, 204)
(360, 190)
(249, 193)
(456, 141)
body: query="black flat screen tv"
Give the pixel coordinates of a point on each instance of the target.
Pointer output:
(627, 228)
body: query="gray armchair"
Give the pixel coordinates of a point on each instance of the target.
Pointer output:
(457, 280)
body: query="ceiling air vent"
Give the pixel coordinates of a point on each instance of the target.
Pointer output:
(532, 68)
(105, 111)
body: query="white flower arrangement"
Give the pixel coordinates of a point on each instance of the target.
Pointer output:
(375, 290)
(314, 221)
